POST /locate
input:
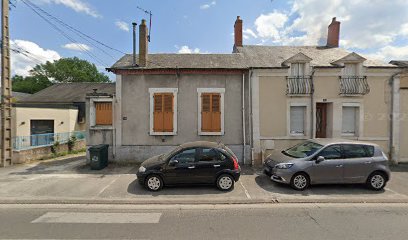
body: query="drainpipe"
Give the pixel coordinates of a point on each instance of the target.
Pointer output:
(391, 149)
(243, 115)
(312, 104)
(250, 117)
(114, 127)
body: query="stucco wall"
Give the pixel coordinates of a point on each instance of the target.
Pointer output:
(404, 125)
(135, 107)
(274, 104)
(23, 116)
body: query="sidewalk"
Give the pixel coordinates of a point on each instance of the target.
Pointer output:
(70, 181)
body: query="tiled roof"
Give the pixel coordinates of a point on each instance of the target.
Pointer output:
(184, 61)
(68, 92)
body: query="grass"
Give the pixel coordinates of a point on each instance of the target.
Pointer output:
(61, 154)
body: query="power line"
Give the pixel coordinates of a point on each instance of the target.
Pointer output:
(65, 34)
(76, 31)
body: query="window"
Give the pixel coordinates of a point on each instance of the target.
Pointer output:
(355, 151)
(349, 121)
(210, 111)
(103, 113)
(297, 120)
(350, 69)
(297, 69)
(186, 156)
(163, 112)
(331, 152)
(208, 155)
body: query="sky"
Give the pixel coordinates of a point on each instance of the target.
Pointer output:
(373, 28)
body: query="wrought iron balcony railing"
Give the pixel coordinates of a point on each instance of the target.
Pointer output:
(299, 85)
(354, 85)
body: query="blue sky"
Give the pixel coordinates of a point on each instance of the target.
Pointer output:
(376, 28)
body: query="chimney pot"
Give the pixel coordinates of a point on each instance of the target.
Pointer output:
(333, 33)
(143, 44)
(238, 32)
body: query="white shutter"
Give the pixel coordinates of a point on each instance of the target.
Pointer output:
(297, 69)
(350, 69)
(297, 119)
(349, 120)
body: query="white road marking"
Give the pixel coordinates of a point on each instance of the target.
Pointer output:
(387, 189)
(246, 191)
(106, 187)
(83, 217)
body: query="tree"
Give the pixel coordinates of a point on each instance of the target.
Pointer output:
(30, 84)
(64, 70)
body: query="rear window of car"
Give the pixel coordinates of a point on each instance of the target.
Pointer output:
(229, 151)
(357, 151)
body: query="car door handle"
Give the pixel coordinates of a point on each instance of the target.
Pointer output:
(191, 167)
(341, 165)
(368, 162)
(217, 165)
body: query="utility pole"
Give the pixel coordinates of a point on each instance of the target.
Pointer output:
(6, 140)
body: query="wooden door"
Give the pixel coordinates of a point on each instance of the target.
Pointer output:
(321, 120)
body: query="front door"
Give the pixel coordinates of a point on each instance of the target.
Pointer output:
(182, 171)
(331, 170)
(321, 120)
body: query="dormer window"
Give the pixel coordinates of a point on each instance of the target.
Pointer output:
(350, 69)
(297, 69)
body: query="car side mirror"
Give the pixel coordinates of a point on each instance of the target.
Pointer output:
(319, 159)
(173, 162)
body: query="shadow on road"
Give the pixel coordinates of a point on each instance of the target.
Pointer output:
(265, 183)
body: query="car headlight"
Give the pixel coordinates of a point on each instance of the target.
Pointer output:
(142, 169)
(284, 165)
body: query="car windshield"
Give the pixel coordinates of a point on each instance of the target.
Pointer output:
(167, 155)
(302, 150)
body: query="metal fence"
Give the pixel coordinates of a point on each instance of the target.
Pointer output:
(300, 85)
(354, 85)
(40, 140)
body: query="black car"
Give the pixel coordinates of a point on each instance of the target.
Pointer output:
(191, 163)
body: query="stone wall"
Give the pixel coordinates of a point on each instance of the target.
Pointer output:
(38, 153)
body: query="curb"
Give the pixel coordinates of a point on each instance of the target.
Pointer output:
(195, 201)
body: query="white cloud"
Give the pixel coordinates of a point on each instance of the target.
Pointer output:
(30, 55)
(208, 5)
(77, 47)
(271, 25)
(247, 33)
(76, 5)
(365, 24)
(186, 49)
(389, 53)
(122, 26)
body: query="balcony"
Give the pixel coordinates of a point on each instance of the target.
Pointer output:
(299, 85)
(354, 85)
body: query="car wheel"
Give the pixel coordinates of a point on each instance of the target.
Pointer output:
(300, 181)
(225, 182)
(154, 183)
(376, 181)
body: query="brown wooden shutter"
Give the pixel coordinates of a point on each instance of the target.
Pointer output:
(103, 114)
(210, 112)
(216, 112)
(163, 112)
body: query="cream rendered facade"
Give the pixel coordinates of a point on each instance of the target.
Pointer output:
(65, 119)
(271, 108)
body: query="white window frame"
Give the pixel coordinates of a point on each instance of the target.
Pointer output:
(152, 91)
(306, 121)
(200, 91)
(306, 70)
(359, 120)
(92, 113)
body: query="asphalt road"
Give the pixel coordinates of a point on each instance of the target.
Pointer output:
(275, 221)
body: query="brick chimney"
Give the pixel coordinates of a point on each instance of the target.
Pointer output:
(143, 44)
(238, 32)
(333, 34)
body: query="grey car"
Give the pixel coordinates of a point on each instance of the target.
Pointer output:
(329, 161)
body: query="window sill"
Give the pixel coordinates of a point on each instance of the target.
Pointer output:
(101, 127)
(211, 133)
(163, 133)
